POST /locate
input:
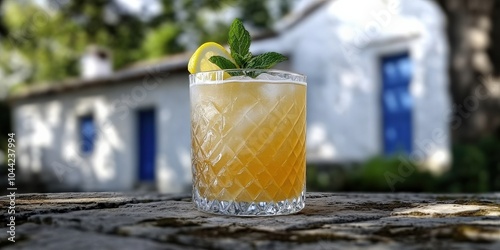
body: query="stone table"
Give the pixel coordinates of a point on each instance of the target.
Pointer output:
(329, 221)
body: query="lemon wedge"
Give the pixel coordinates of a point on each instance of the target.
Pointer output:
(199, 60)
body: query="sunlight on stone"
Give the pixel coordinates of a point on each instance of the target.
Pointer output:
(449, 210)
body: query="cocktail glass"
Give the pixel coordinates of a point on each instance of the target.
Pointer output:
(248, 135)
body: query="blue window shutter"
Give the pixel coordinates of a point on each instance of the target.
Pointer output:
(87, 134)
(147, 144)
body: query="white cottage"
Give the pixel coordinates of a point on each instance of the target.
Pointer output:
(377, 84)
(120, 131)
(377, 78)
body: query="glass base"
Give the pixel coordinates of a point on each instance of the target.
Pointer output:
(235, 208)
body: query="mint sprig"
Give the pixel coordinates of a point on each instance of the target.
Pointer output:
(239, 43)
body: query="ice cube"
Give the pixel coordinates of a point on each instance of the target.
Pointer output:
(273, 92)
(269, 77)
(239, 78)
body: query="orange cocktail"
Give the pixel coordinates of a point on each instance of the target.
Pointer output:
(248, 141)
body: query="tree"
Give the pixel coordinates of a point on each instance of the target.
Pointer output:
(202, 21)
(474, 33)
(256, 13)
(52, 39)
(162, 41)
(49, 40)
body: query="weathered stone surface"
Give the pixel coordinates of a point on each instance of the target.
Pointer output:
(329, 221)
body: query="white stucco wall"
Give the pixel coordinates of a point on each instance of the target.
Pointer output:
(339, 48)
(46, 129)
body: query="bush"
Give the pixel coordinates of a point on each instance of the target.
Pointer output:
(475, 168)
(389, 174)
(326, 178)
(468, 173)
(376, 175)
(490, 146)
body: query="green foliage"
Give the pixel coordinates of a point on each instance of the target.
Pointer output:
(490, 146)
(389, 174)
(475, 168)
(256, 12)
(4, 127)
(162, 41)
(52, 39)
(468, 174)
(326, 178)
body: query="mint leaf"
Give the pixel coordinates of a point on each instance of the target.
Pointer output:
(222, 62)
(240, 60)
(248, 57)
(239, 43)
(266, 60)
(239, 39)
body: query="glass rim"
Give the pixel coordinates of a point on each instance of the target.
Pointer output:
(208, 76)
(249, 69)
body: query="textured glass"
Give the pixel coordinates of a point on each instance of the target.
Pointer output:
(248, 142)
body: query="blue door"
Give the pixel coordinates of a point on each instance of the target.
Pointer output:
(397, 104)
(147, 144)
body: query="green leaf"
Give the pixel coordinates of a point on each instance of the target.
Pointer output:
(239, 39)
(239, 43)
(266, 60)
(240, 60)
(222, 62)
